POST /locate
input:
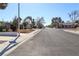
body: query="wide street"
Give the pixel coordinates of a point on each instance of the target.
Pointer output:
(49, 42)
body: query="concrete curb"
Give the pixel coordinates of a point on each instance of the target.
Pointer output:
(29, 36)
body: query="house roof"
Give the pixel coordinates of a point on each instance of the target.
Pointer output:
(67, 23)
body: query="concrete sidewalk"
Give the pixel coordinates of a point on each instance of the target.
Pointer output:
(23, 38)
(72, 31)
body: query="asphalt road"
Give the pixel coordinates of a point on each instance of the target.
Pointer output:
(49, 42)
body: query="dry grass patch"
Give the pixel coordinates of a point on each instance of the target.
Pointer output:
(26, 30)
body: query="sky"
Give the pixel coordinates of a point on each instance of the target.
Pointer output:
(46, 10)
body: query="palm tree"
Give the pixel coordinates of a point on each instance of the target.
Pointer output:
(3, 5)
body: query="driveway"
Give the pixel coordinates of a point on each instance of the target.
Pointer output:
(49, 42)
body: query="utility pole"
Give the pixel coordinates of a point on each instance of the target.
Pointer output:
(19, 18)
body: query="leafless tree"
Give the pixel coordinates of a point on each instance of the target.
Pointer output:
(74, 15)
